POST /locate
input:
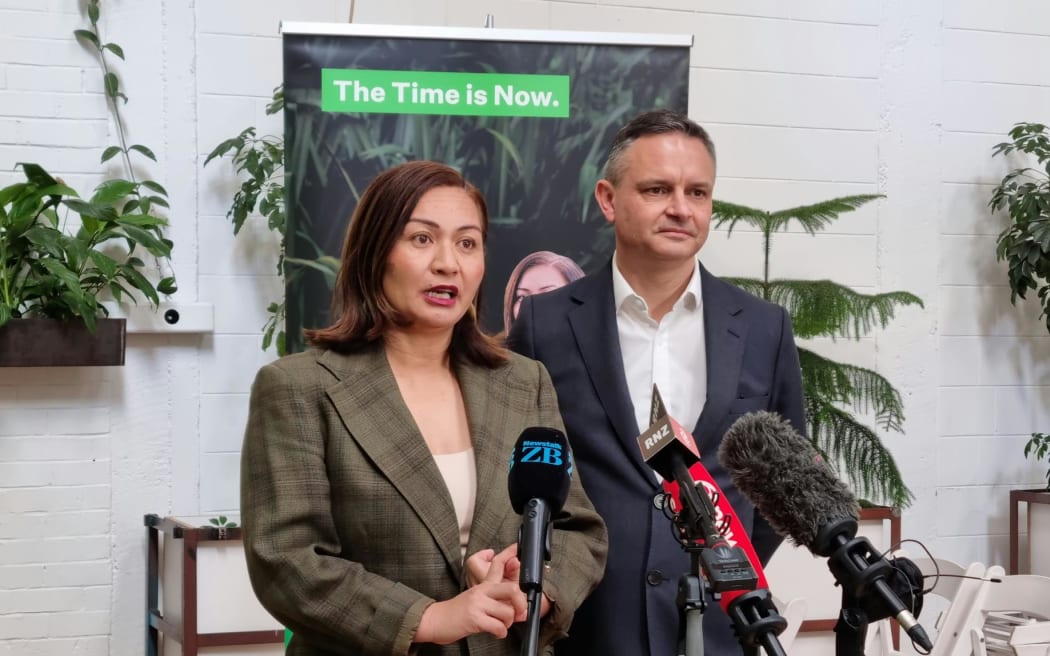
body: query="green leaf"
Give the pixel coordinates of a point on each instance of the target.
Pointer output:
(115, 49)
(142, 284)
(93, 210)
(147, 240)
(111, 191)
(37, 175)
(112, 85)
(141, 220)
(153, 186)
(106, 265)
(5, 314)
(145, 151)
(167, 286)
(158, 200)
(88, 36)
(110, 153)
(93, 11)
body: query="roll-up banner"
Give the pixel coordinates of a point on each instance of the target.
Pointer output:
(526, 115)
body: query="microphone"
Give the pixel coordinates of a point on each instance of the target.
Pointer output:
(730, 563)
(538, 482)
(800, 496)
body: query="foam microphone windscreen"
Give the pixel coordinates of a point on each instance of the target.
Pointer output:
(540, 468)
(785, 477)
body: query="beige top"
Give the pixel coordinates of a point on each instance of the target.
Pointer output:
(461, 479)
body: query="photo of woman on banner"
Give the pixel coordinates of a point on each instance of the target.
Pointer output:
(374, 484)
(538, 272)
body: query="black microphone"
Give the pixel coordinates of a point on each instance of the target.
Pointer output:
(538, 481)
(800, 496)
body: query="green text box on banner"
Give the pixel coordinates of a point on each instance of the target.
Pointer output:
(458, 94)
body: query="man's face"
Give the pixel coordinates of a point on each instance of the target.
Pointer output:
(661, 206)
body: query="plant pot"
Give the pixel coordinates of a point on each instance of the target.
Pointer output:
(54, 343)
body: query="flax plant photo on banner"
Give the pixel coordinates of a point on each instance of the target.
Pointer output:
(527, 122)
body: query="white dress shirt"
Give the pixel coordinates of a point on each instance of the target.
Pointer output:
(669, 353)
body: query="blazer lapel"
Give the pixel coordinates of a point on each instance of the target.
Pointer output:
(369, 403)
(593, 324)
(725, 332)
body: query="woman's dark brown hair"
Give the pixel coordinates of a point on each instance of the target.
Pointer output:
(362, 313)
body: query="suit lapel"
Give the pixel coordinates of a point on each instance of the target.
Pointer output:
(725, 332)
(369, 403)
(593, 323)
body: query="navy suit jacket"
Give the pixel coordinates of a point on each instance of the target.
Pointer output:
(752, 364)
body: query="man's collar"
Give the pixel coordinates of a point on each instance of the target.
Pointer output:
(691, 298)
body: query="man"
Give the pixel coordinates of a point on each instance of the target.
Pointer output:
(653, 314)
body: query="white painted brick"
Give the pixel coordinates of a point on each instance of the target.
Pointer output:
(79, 646)
(991, 108)
(78, 421)
(961, 360)
(251, 65)
(848, 259)
(1014, 361)
(965, 411)
(22, 5)
(859, 352)
(220, 482)
(965, 211)
(967, 158)
(86, 497)
(54, 524)
(49, 26)
(57, 160)
(51, 550)
(240, 301)
(23, 77)
(51, 132)
(223, 418)
(783, 100)
(1021, 16)
(985, 56)
(973, 510)
(229, 363)
(41, 625)
(17, 421)
(54, 600)
(510, 14)
(56, 575)
(407, 12)
(244, 17)
(53, 448)
(739, 255)
(986, 310)
(42, 104)
(62, 396)
(43, 52)
(969, 260)
(856, 12)
(252, 253)
(773, 195)
(1022, 410)
(796, 154)
(997, 460)
(986, 549)
(223, 117)
(38, 474)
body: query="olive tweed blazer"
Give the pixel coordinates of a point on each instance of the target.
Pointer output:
(349, 529)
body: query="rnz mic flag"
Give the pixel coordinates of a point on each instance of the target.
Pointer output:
(538, 481)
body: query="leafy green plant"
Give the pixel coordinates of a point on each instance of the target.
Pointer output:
(50, 267)
(1025, 244)
(1038, 446)
(1025, 194)
(222, 522)
(260, 159)
(824, 308)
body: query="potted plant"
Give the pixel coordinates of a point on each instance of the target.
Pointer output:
(824, 308)
(61, 254)
(1024, 244)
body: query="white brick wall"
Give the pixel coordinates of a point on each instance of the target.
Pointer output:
(806, 100)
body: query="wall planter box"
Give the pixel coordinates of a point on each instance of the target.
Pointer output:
(53, 343)
(1038, 544)
(199, 600)
(793, 572)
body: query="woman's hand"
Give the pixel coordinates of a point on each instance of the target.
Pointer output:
(480, 564)
(490, 606)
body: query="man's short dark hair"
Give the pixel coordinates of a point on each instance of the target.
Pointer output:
(657, 121)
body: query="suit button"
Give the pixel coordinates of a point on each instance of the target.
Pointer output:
(654, 577)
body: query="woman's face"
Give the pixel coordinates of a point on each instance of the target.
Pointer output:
(435, 267)
(536, 280)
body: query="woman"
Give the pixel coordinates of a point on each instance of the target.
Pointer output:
(374, 463)
(537, 272)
